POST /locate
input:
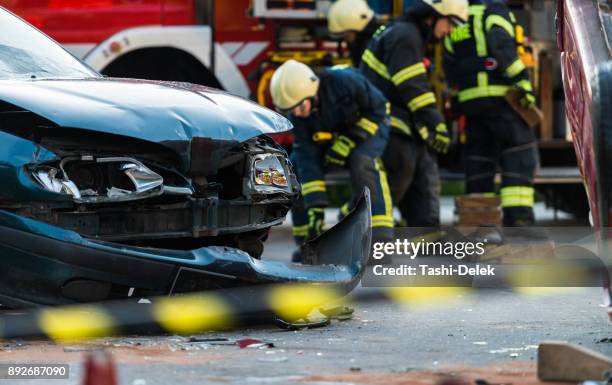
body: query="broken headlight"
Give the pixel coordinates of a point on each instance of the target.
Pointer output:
(105, 179)
(269, 174)
(48, 178)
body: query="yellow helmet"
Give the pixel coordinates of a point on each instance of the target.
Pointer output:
(455, 9)
(292, 83)
(349, 15)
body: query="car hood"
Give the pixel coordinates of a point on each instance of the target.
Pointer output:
(150, 110)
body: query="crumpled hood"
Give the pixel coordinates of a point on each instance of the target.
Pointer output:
(149, 110)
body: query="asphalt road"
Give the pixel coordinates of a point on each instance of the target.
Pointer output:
(477, 330)
(474, 329)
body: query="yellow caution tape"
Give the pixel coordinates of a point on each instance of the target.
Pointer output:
(192, 313)
(76, 323)
(420, 296)
(293, 302)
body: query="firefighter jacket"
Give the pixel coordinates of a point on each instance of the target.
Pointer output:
(481, 59)
(348, 104)
(361, 42)
(393, 61)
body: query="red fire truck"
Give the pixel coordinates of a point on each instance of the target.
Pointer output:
(226, 44)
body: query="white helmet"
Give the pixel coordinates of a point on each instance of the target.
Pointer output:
(292, 83)
(455, 9)
(349, 15)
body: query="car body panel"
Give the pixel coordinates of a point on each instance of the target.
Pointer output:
(583, 47)
(584, 32)
(17, 153)
(41, 264)
(160, 112)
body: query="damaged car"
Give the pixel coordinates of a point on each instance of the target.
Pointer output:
(118, 188)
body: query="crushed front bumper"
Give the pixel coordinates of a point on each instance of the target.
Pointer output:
(41, 264)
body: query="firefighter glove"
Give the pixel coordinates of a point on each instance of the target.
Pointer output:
(439, 140)
(316, 219)
(339, 151)
(527, 98)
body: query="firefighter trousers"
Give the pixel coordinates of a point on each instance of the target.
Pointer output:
(365, 170)
(414, 180)
(500, 137)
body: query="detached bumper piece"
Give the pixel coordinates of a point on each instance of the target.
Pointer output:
(41, 264)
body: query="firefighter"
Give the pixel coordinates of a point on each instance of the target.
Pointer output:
(340, 121)
(356, 22)
(482, 63)
(393, 61)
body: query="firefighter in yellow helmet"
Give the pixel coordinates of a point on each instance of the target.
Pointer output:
(341, 121)
(355, 22)
(393, 61)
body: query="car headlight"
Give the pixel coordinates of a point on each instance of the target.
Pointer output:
(104, 180)
(48, 178)
(269, 174)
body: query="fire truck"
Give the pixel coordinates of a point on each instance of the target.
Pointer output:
(224, 44)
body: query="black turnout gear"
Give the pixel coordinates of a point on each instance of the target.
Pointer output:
(482, 63)
(394, 62)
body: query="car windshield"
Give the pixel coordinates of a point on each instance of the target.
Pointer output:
(26, 53)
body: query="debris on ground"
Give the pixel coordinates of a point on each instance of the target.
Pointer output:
(515, 351)
(208, 340)
(10, 345)
(273, 359)
(317, 318)
(339, 313)
(304, 323)
(254, 344)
